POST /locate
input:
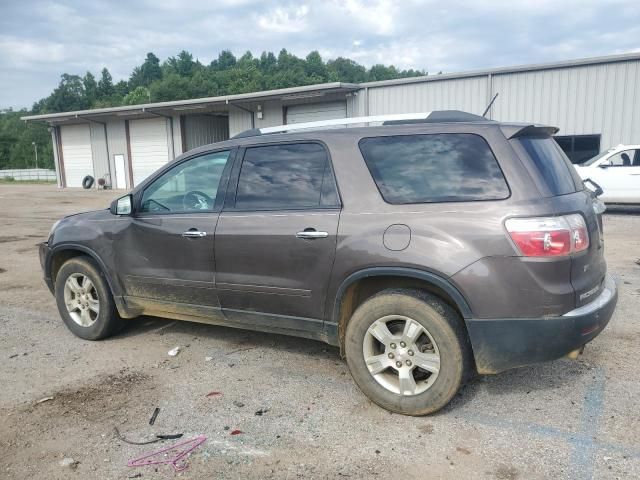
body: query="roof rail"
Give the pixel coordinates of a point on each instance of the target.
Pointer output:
(346, 121)
(394, 119)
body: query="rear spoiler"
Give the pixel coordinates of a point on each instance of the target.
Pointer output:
(521, 130)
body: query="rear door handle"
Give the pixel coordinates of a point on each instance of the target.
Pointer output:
(311, 234)
(194, 234)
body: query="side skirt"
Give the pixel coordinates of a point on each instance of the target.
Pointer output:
(131, 307)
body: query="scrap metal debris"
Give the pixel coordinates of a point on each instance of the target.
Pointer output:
(162, 457)
(152, 420)
(174, 351)
(157, 438)
(45, 399)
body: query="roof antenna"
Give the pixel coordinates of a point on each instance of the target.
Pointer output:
(489, 106)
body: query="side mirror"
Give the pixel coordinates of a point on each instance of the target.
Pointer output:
(122, 205)
(605, 164)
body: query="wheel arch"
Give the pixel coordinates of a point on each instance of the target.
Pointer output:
(61, 253)
(360, 285)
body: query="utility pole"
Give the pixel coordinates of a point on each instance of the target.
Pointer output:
(35, 147)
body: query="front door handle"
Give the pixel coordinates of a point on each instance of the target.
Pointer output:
(311, 234)
(194, 234)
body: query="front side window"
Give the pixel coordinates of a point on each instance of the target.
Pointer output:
(628, 158)
(287, 176)
(451, 167)
(191, 186)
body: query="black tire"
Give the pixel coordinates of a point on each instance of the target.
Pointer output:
(443, 324)
(87, 182)
(107, 321)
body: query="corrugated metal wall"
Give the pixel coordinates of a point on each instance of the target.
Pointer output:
(117, 146)
(593, 99)
(204, 129)
(101, 167)
(586, 99)
(468, 94)
(239, 121)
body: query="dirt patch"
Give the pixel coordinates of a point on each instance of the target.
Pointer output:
(506, 472)
(39, 431)
(6, 239)
(2, 270)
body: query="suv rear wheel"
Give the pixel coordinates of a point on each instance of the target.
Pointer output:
(84, 300)
(407, 351)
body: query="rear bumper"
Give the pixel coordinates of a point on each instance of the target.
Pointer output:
(501, 344)
(44, 251)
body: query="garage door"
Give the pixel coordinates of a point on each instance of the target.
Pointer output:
(314, 112)
(76, 153)
(149, 147)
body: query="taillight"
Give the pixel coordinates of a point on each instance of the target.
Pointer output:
(549, 236)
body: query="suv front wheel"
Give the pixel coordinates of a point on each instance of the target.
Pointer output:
(84, 300)
(407, 351)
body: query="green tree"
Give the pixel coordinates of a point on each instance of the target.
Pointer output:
(137, 96)
(146, 73)
(105, 85)
(90, 88)
(68, 95)
(182, 64)
(225, 60)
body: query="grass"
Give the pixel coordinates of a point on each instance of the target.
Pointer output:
(13, 181)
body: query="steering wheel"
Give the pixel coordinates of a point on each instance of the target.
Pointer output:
(196, 200)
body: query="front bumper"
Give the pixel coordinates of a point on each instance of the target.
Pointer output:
(44, 251)
(501, 344)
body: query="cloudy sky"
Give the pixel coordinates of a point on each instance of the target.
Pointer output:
(39, 40)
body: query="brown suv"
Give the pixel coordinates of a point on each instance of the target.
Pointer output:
(425, 248)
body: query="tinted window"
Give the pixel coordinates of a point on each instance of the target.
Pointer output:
(579, 148)
(190, 186)
(434, 168)
(285, 176)
(550, 163)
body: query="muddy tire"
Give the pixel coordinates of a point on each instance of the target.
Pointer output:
(84, 300)
(408, 351)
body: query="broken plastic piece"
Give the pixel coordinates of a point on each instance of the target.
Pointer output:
(152, 420)
(174, 351)
(177, 460)
(236, 432)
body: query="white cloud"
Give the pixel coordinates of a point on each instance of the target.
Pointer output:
(41, 39)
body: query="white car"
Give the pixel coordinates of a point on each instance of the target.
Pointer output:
(617, 171)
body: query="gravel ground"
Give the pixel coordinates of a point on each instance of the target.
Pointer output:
(564, 419)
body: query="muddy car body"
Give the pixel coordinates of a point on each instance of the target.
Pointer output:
(425, 248)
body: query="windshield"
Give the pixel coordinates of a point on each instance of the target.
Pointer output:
(593, 160)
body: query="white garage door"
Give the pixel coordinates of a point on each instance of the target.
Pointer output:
(76, 153)
(314, 112)
(149, 147)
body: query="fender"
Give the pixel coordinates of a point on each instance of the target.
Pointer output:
(428, 277)
(113, 286)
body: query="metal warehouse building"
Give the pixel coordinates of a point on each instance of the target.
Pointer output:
(595, 103)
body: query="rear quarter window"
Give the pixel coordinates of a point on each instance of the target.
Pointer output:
(548, 162)
(448, 167)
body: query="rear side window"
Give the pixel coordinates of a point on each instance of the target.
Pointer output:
(286, 177)
(450, 167)
(550, 164)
